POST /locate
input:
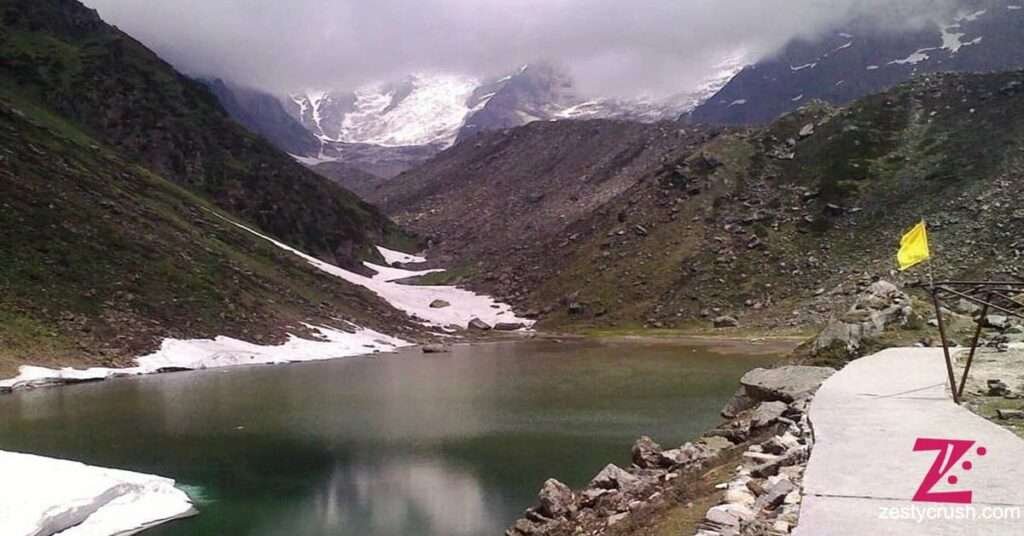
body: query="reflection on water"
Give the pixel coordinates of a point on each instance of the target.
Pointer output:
(441, 445)
(399, 497)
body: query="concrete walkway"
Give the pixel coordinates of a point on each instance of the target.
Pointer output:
(864, 472)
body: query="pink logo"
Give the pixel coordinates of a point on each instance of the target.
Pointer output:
(949, 452)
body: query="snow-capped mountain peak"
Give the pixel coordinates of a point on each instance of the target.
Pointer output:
(423, 109)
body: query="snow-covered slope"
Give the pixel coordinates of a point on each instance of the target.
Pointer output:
(437, 109)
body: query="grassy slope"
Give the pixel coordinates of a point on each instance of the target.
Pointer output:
(102, 258)
(60, 54)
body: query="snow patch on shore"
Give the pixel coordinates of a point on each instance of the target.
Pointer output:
(49, 496)
(197, 354)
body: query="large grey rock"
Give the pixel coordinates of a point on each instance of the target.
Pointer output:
(436, 349)
(439, 304)
(882, 306)
(613, 477)
(785, 384)
(508, 326)
(556, 499)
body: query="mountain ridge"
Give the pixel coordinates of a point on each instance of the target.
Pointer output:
(860, 59)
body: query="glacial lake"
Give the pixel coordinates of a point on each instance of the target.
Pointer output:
(405, 444)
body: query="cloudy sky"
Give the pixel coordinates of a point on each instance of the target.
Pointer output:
(613, 47)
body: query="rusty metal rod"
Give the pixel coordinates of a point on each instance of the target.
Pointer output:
(945, 346)
(978, 301)
(974, 348)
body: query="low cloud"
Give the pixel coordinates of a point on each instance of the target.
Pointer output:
(613, 47)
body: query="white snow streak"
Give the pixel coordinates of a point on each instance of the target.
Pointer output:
(391, 256)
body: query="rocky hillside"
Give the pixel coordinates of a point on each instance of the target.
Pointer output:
(773, 226)
(504, 191)
(860, 59)
(63, 56)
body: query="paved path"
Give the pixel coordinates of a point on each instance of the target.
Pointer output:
(866, 420)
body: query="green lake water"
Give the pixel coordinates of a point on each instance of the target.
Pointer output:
(397, 445)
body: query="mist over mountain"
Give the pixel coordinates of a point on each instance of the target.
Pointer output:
(654, 48)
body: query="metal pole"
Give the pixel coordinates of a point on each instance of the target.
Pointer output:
(974, 347)
(945, 347)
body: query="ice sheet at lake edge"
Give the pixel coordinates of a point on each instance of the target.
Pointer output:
(44, 496)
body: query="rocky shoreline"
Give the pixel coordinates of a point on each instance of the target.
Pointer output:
(767, 427)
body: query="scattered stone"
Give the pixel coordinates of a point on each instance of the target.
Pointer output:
(508, 326)
(439, 304)
(807, 131)
(436, 349)
(880, 307)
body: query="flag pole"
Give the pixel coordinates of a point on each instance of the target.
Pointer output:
(931, 273)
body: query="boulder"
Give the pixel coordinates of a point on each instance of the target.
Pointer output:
(725, 322)
(508, 326)
(882, 306)
(556, 499)
(436, 349)
(646, 453)
(613, 477)
(784, 384)
(767, 413)
(439, 304)
(479, 325)
(807, 130)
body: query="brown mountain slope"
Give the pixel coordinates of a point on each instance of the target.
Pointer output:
(774, 226)
(507, 190)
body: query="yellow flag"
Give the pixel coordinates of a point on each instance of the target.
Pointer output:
(913, 247)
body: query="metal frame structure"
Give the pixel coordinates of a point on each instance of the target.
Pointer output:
(1006, 297)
